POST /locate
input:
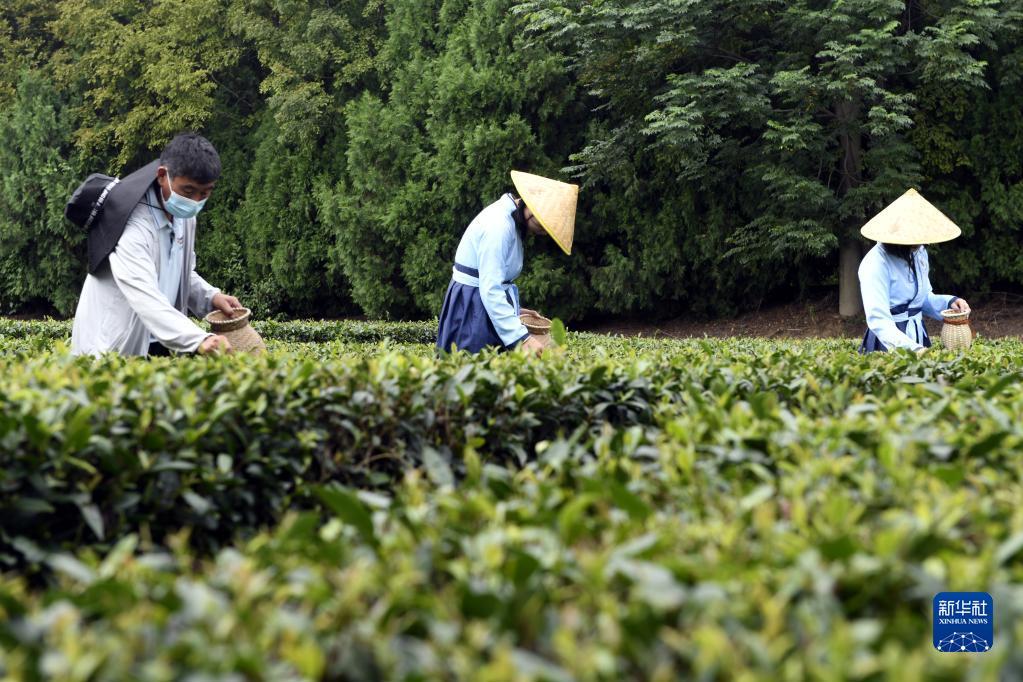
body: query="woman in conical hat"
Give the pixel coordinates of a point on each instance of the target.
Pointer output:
(894, 279)
(481, 308)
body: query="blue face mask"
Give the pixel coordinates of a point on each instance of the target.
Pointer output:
(181, 207)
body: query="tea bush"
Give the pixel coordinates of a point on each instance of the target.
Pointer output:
(622, 509)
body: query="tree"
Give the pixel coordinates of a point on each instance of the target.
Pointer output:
(463, 100)
(313, 57)
(142, 71)
(798, 110)
(969, 130)
(25, 41)
(728, 151)
(38, 259)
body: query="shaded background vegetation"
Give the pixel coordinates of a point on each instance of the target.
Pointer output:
(728, 151)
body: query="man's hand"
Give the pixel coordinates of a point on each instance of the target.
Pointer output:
(226, 304)
(527, 311)
(532, 345)
(214, 344)
(960, 306)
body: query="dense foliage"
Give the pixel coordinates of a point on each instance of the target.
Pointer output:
(727, 149)
(619, 510)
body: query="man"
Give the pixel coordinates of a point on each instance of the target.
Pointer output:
(142, 278)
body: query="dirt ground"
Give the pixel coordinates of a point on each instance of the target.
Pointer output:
(994, 315)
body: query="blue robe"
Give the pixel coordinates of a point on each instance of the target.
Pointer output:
(481, 307)
(895, 298)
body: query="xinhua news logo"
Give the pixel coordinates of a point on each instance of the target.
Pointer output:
(964, 622)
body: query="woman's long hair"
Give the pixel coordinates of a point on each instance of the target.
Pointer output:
(903, 251)
(519, 215)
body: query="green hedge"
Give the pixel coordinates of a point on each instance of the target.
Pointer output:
(764, 511)
(298, 331)
(622, 509)
(90, 450)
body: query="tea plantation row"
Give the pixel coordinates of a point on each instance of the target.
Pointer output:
(619, 510)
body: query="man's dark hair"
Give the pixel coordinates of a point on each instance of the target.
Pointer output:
(191, 155)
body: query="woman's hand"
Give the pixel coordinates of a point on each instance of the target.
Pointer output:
(532, 345)
(527, 311)
(214, 344)
(960, 306)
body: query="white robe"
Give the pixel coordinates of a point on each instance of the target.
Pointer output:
(122, 305)
(887, 281)
(492, 247)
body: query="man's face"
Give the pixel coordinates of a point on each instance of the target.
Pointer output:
(532, 224)
(184, 185)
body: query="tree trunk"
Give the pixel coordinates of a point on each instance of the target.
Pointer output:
(849, 302)
(850, 175)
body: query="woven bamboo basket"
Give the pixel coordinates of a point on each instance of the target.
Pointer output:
(956, 333)
(237, 330)
(539, 327)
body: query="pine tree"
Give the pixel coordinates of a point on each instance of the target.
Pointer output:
(39, 262)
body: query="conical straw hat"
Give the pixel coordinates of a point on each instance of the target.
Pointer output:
(552, 202)
(910, 220)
